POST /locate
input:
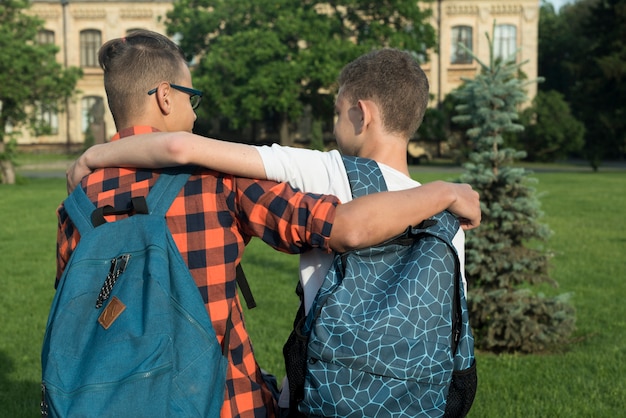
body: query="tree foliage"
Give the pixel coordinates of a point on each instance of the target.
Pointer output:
(30, 76)
(506, 255)
(550, 132)
(582, 55)
(557, 47)
(600, 94)
(267, 59)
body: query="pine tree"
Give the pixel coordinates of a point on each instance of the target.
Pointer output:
(506, 255)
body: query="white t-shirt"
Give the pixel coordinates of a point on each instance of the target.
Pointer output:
(324, 173)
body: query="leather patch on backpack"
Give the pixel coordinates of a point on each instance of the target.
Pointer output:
(113, 310)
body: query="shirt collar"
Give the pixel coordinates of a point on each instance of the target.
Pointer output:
(134, 130)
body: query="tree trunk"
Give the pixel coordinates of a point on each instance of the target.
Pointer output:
(283, 130)
(8, 172)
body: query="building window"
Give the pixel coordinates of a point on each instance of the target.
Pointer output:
(45, 37)
(92, 115)
(461, 35)
(90, 42)
(47, 121)
(505, 39)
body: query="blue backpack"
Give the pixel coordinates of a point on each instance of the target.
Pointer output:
(128, 334)
(388, 332)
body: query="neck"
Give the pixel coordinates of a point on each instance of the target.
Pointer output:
(388, 150)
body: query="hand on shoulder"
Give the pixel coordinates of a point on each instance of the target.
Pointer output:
(79, 169)
(466, 206)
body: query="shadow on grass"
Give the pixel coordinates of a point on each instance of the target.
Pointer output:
(18, 398)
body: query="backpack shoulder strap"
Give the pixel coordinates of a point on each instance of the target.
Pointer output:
(166, 189)
(364, 175)
(160, 199)
(79, 208)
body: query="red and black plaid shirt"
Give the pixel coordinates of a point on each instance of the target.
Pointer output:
(212, 219)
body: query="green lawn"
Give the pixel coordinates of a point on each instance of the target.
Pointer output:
(585, 210)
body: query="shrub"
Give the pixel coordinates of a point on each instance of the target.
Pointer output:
(551, 131)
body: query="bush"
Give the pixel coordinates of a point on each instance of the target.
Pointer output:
(551, 132)
(519, 320)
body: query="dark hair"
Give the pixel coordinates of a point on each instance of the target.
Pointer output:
(392, 79)
(133, 65)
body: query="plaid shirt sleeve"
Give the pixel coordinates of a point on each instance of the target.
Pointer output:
(283, 217)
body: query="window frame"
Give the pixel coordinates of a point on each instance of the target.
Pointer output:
(505, 41)
(90, 43)
(87, 119)
(45, 37)
(47, 121)
(459, 34)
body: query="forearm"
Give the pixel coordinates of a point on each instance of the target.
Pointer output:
(167, 149)
(183, 148)
(375, 218)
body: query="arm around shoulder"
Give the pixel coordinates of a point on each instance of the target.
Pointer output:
(374, 218)
(234, 158)
(167, 149)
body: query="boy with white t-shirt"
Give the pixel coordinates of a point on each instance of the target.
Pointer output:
(324, 172)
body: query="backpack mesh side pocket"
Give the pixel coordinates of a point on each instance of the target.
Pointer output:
(462, 392)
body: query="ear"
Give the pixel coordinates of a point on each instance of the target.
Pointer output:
(355, 116)
(368, 111)
(164, 99)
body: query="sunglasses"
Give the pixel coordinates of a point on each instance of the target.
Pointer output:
(195, 96)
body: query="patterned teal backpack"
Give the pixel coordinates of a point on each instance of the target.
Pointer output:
(388, 332)
(128, 334)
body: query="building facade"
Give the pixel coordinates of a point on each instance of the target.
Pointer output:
(80, 27)
(514, 24)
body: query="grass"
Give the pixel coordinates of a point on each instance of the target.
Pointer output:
(27, 271)
(585, 212)
(44, 158)
(585, 379)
